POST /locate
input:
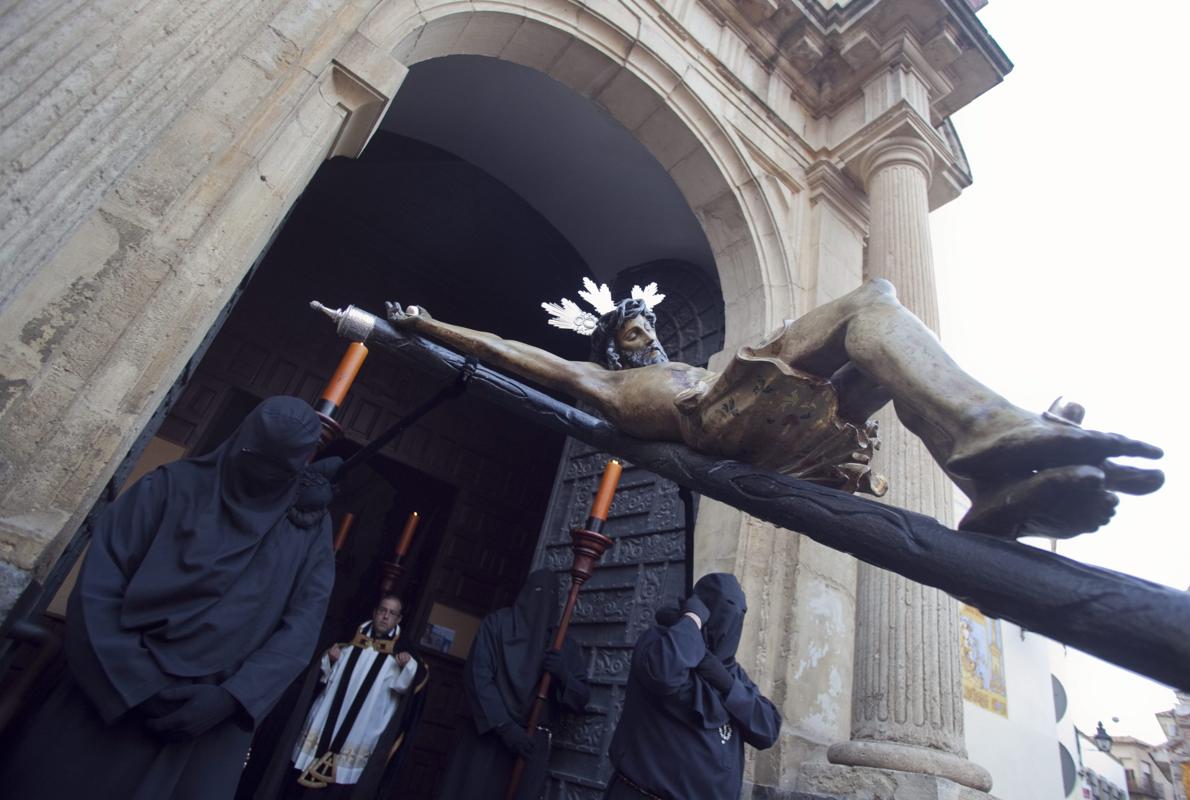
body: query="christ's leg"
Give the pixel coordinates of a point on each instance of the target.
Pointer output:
(970, 430)
(875, 350)
(975, 434)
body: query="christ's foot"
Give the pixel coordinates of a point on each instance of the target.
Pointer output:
(1060, 503)
(1132, 480)
(1026, 444)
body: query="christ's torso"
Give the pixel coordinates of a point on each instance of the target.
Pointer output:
(642, 401)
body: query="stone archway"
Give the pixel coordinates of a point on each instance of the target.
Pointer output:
(657, 99)
(648, 94)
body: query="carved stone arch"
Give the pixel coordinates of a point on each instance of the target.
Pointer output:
(664, 97)
(655, 91)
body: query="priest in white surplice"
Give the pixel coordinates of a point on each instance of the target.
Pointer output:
(364, 684)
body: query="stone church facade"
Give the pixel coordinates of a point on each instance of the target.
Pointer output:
(151, 150)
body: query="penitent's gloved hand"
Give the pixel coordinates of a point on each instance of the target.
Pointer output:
(552, 663)
(515, 739)
(667, 616)
(711, 670)
(693, 605)
(203, 706)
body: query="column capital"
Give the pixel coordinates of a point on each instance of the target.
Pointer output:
(910, 151)
(901, 135)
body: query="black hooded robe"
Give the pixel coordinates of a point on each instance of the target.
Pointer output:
(214, 570)
(500, 679)
(678, 738)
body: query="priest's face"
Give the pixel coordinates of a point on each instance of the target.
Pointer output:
(386, 616)
(637, 345)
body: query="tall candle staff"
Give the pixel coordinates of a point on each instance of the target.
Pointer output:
(344, 528)
(336, 390)
(588, 544)
(391, 571)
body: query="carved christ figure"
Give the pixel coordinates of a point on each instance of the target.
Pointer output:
(799, 402)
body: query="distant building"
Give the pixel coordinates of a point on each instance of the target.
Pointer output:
(1102, 775)
(1147, 778)
(1015, 710)
(1175, 753)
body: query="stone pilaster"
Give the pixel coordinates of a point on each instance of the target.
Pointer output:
(907, 702)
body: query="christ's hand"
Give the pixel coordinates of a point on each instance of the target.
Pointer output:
(404, 316)
(334, 653)
(403, 658)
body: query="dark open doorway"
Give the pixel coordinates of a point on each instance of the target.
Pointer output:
(407, 221)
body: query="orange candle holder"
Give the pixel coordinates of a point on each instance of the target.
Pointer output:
(603, 497)
(336, 390)
(589, 545)
(390, 577)
(344, 528)
(407, 535)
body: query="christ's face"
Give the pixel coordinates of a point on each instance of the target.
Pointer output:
(386, 616)
(637, 345)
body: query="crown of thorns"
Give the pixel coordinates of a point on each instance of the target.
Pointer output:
(570, 316)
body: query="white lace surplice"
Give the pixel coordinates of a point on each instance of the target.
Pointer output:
(392, 682)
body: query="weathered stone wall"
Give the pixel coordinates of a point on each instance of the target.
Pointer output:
(150, 149)
(150, 154)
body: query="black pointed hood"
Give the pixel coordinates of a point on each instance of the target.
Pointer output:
(524, 636)
(193, 598)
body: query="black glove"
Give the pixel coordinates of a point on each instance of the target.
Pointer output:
(315, 492)
(552, 663)
(711, 670)
(667, 616)
(515, 739)
(697, 607)
(203, 706)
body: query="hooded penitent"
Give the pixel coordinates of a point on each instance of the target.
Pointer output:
(191, 569)
(523, 631)
(725, 600)
(500, 679)
(211, 571)
(679, 736)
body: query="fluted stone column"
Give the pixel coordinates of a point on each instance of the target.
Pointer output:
(907, 700)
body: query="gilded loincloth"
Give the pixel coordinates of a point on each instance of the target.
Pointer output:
(762, 411)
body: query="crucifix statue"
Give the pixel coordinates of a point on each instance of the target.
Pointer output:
(800, 402)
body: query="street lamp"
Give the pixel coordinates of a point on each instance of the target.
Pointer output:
(1102, 740)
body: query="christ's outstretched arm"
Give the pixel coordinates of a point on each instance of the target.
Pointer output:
(582, 379)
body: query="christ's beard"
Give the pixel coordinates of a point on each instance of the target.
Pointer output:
(642, 358)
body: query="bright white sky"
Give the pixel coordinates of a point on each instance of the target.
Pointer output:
(1064, 269)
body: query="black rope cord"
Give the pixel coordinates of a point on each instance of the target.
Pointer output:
(448, 393)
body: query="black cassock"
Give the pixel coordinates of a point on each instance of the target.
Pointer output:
(211, 570)
(500, 679)
(680, 738)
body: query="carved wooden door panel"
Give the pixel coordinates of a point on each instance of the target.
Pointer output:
(647, 565)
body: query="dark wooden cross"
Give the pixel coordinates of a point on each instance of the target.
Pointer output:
(1139, 625)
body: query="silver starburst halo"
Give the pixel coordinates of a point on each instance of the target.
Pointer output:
(570, 316)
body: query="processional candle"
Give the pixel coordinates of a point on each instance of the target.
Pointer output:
(336, 391)
(407, 535)
(336, 388)
(344, 527)
(603, 497)
(588, 545)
